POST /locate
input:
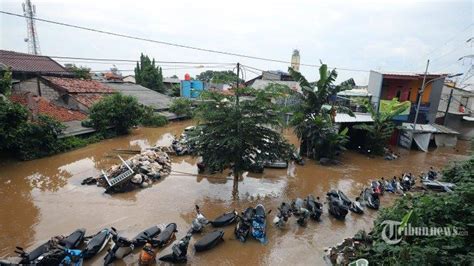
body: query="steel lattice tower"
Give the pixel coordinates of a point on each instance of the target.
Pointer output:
(29, 11)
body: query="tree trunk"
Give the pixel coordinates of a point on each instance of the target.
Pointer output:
(235, 188)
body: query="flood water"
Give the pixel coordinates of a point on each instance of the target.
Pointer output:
(43, 198)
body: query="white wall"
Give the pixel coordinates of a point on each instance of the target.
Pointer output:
(375, 87)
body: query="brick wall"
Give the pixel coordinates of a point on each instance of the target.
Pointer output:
(31, 86)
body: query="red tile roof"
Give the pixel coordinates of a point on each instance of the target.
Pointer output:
(22, 62)
(47, 108)
(88, 99)
(74, 85)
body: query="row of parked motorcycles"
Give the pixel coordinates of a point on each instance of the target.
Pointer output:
(76, 247)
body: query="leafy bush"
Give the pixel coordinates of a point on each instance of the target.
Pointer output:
(37, 139)
(152, 119)
(430, 210)
(182, 106)
(118, 112)
(12, 117)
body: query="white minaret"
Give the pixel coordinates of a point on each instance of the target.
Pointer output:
(29, 10)
(295, 60)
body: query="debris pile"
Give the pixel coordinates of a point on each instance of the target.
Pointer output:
(346, 252)
(139, 171)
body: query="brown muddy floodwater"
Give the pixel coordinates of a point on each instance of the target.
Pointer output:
(44, 197)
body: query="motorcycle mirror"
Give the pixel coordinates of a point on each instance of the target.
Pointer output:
(269, 211)
(20, 248)
(113, 228)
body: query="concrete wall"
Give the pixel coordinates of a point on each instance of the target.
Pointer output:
(375, 87)
(435, 95)
(31, 86)
(465, 128)
(459, 96)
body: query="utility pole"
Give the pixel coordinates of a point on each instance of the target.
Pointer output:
(447, 108)
(420, 96)
(237, 89)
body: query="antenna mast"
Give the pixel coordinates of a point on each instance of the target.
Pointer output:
(29, 10)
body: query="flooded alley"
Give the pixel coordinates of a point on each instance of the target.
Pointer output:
(44, 197)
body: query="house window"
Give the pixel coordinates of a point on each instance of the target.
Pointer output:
(398, 94)
(409, 95)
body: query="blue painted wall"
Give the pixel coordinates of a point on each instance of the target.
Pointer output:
(191, 88)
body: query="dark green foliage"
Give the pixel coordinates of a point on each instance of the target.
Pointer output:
(118, 112)
(149, 75)
(152, 119)
(432, 210)
(80, 72)
(380, 131)
(13, 116)
(313, 124)
(5, 82)
(29, 140)
(182, 106)
(237, 133)
(226, 77)
(38, 139)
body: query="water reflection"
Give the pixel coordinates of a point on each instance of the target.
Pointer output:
(44, 197)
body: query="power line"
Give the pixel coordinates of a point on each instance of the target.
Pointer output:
(149, 40)
(450, 39)
(172, 44)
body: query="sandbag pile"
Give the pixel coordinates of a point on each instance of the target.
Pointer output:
(148, 167)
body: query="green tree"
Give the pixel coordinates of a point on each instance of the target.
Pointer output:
(149, 75)
(80, 71)
(13, 116)
(227, 77)
(237, 134)
(6, 82)
(182, 106)
(379, 132)
(314, 125)
(118, 112)
(152, 119)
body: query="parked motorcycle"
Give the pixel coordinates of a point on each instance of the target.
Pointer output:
(314, 207)
(354, 206)
(336, 206)
(180, 250)
(259, 224)
(199, 222)
(225, 219)
(299, 210)
(371, 199)
(166, 236)
(97, 243)
(244, 224)
(209, 241)
(123, 246)
(284, 212)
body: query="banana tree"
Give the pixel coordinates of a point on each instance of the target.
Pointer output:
(382, 128)
(313, 124)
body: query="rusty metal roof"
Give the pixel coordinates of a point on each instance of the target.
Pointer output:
(75, 85)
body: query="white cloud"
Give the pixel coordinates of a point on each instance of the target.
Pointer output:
(391, 35)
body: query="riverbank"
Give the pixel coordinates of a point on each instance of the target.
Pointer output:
(44, 198)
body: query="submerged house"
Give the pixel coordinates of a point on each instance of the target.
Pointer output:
(407, 87)
(71, 93)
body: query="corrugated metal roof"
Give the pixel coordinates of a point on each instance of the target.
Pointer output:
(358, 118)
(429, 128)
(444, 130)
(355, 92)
(144, 95)
(262, 84)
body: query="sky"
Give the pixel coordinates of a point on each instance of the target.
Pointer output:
(352, 36)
